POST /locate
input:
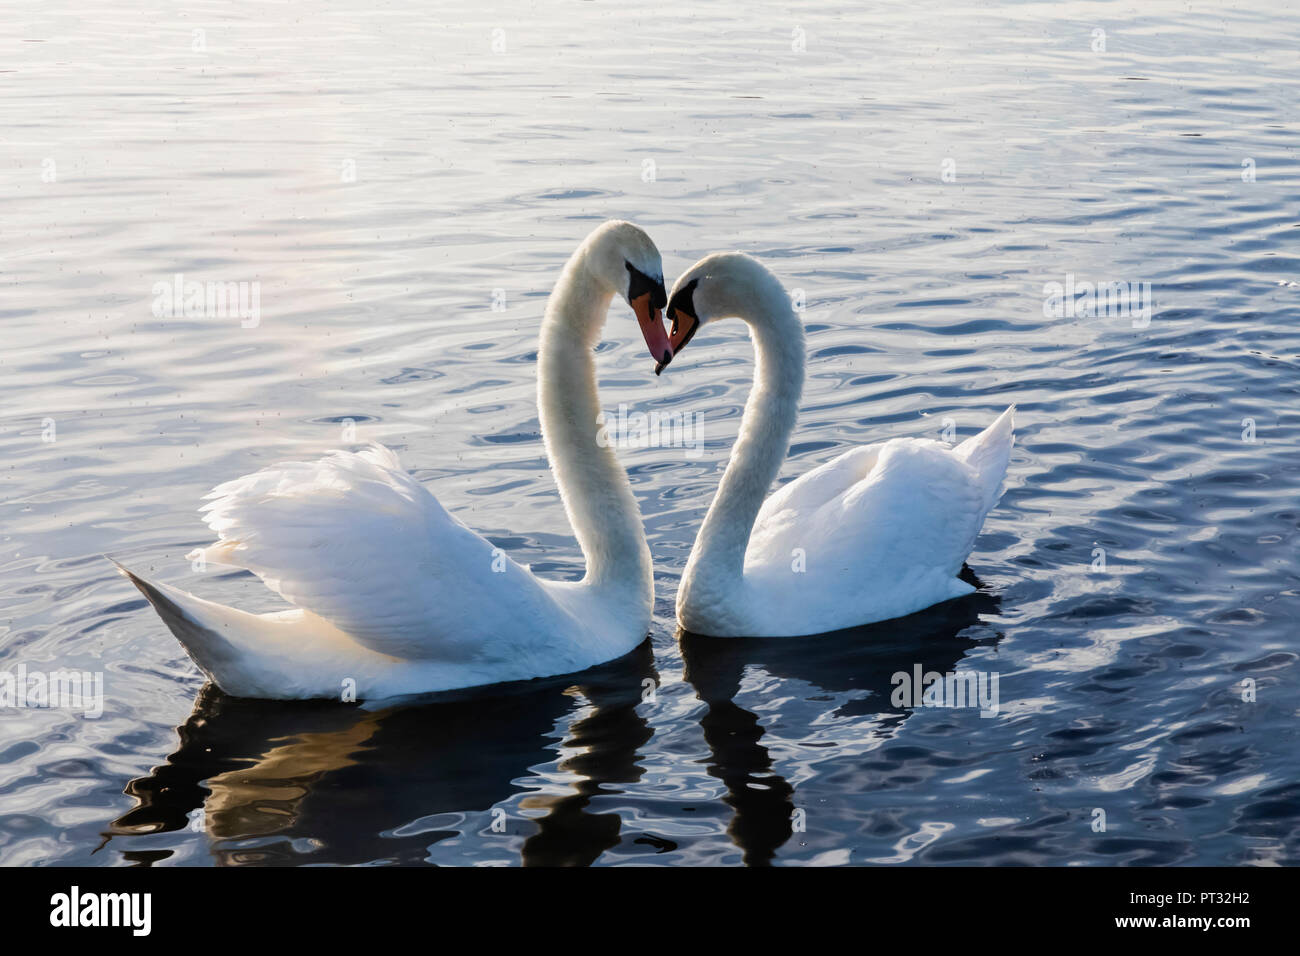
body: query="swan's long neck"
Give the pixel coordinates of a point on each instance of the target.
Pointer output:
(718, 558)
(593, 486)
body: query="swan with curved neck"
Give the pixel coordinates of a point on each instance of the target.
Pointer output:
(877, 533)
(393, 595)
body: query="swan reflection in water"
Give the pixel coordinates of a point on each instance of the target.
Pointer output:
(282, 783)
(846, 662)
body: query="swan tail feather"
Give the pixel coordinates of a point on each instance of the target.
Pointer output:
(197, 624)
(988, 453)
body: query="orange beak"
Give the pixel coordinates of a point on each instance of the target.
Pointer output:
(682, 314)
(684, 326)
(651, 321)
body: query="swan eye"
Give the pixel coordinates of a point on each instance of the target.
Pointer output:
(641, 284)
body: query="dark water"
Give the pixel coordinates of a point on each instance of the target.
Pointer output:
(382, 173)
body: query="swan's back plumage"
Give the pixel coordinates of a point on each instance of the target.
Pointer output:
(356, 540)
(393, 594)
(878, 532)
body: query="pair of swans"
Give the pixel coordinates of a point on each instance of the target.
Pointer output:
(394, 596)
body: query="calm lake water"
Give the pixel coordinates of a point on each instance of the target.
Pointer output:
(389, 173)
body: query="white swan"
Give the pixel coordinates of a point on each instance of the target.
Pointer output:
(393, 594)
(878, 532)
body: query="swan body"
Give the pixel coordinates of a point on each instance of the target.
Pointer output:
(877, 533)
(393, 595)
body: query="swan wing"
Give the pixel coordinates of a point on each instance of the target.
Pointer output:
(807, 493)
(356, 540)
(903, 507)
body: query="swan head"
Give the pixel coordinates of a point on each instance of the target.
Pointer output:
(719, 286)
(626, 261)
